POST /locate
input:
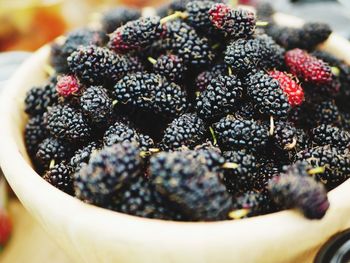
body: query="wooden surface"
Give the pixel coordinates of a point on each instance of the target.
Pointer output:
(29, 242)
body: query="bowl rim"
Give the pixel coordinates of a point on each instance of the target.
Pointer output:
(142, 227)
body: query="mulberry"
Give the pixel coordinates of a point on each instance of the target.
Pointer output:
(67, 123)
(186, 130)
(203, 198)
(220, 97)
(234, 133)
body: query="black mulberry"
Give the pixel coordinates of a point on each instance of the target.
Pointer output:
(67, 123)
(186, 130)
(220, 97)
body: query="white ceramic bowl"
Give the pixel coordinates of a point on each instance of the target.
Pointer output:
(92, 234)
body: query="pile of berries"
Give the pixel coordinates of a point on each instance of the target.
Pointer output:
(198, 114)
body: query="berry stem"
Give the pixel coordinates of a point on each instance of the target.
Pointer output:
(272, 126)
(216, 46)
(239, 213)
(52, 164)
(290, 146)
(177, 14)
(230, 165)
(150, 151)
(229, 69)
(152, 60)
(213, 135)
(154, 150)
(317, 170)
(335, 71)
(261, 23)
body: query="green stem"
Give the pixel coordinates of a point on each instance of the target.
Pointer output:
(272, 126)
(229, 165)
(317, 170)
(174, 16)
(215, 46)
(335, 71)
(239, 213)
(152, 60)
(213, 135)
(262, 23)
(229, 69)
(52, 164)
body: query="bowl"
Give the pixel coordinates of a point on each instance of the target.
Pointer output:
(91, 234)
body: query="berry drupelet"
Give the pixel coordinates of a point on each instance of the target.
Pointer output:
(235, 133)
(203, 79)
(289, 86)
(60, 51)
(125, 64)
(136, 34)
(245, 110)
(60, 176)
(252, 203)
(241, 176)
(307, 67)
(120, 132)
(67, 85)
(108, 170)
(138, 198)
(183, 40)
(334, 161)
(135, 198)
(285, 136)
(271, 54)
(92, 64)
(149, 91)
(244, 55)
(116, 17)
(35, 132)
(96, 104)
(327, 112)
(327, 57)
(52, 150)
(186, 130)
(266, 170)
(306, 37)
(83, 154)
(302, 192)
(38, 99)
(204, 197)
(330, 135)
(170, 66)
(67, 123)
(220, 97)
(210, 156)
(197, 14)
(235, 23)
(180, 5)
(267, 95)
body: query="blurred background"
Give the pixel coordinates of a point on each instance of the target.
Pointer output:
(26, 25)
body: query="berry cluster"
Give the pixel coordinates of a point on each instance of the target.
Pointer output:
(196, 114)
